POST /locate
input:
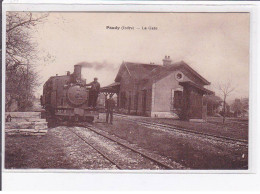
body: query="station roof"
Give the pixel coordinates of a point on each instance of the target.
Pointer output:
(141, 71)
(137, 71)
(111, 88)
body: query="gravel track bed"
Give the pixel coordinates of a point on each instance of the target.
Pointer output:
(184, 134)
(191, 151)
(214, 126)
(211, 140)
(121, 155)
(82, 155)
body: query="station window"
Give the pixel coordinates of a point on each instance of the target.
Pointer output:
(123, 99)
(177, 99)
(136, 101)
(179, 76)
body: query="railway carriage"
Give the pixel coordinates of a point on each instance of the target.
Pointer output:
(65, 99)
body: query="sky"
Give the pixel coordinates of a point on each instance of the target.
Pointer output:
(216, 45)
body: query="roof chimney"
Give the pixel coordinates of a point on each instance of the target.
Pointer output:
(167, 60)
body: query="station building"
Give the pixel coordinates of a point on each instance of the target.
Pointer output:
(166, 91)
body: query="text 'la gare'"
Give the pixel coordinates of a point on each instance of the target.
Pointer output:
(131, 28)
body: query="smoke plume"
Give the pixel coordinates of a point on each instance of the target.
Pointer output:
(96, 65)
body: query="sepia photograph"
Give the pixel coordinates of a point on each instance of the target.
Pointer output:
(126, 91)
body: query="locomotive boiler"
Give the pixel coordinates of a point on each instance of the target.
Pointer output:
(65, 99)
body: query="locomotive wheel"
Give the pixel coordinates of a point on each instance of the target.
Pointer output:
(90, 119)
(51, 123)
(76, 118)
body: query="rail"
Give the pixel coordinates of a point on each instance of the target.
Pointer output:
(172, 128)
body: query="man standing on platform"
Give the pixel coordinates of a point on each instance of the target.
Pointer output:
(93, 93)
(110, 105)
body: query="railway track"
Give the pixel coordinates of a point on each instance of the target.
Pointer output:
(98, 150)
(187, 131)
(162, 162)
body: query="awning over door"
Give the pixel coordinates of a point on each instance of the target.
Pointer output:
(196, 86)
(192, 100)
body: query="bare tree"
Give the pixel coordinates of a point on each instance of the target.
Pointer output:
(21, 56)
(225, 89)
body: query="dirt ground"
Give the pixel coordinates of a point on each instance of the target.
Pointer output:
(24, 152)
(188, 150)
(234, 128)
(59, 150)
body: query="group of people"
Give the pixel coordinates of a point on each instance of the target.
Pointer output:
(93, 95)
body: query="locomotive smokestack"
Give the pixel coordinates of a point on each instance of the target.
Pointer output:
(77, 72)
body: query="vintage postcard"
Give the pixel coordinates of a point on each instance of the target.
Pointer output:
(164, 91)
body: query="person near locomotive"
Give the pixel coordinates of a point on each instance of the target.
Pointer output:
(93, 93)
(110, 105)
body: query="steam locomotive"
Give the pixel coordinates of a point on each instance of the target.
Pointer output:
(65, 99)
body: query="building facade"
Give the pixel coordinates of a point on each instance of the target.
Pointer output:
(169, 90)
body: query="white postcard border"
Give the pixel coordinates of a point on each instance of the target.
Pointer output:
(148, 7)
